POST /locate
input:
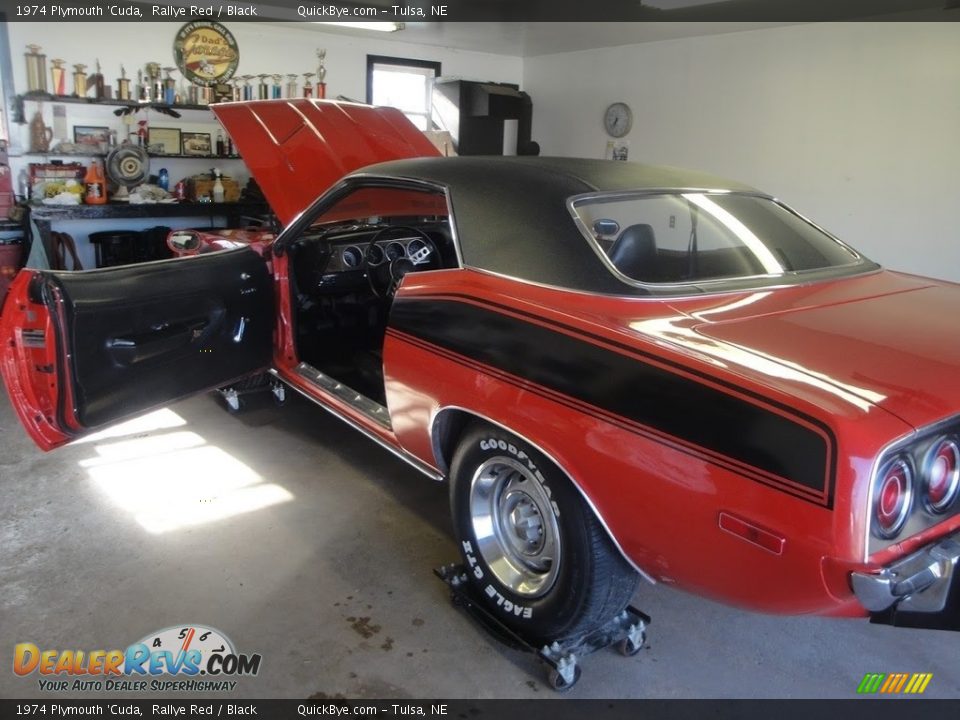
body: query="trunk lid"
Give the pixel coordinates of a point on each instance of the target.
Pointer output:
(887, 338)
(298, 148)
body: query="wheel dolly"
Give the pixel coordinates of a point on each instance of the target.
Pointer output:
(627, 630)
(233, 396)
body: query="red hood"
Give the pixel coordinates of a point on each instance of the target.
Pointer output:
(298, 148)
(889, 339)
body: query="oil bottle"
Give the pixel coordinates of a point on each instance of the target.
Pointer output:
(95, 185)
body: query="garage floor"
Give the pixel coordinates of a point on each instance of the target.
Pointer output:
(305, 542)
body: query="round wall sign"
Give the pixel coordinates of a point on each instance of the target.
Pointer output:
(206, 52)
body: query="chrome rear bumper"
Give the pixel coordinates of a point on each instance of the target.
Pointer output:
(918, 583)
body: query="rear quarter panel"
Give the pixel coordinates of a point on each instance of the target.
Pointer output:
(659, 497)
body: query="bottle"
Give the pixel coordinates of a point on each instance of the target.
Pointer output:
(163, 179)
(95, 185)
(218, 192)
(221, 150)
(229, 146)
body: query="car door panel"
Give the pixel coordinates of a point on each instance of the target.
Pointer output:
(81, 350)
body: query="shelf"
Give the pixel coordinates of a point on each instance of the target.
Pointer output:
(48, 97)
(195, 157)
(128, 211)
(103, 155)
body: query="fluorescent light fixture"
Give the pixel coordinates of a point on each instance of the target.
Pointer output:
(676, 4)
(380, 26)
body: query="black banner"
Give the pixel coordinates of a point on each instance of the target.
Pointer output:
(478, 709)
(484, 10)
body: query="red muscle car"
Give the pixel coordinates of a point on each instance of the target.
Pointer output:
(624, 371)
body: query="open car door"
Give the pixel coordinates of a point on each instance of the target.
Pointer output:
(81, 350)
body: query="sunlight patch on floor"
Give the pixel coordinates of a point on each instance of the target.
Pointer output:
(175, 480)
(157, 420)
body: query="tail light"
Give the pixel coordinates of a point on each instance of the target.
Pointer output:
(892, 495)
(941, 475)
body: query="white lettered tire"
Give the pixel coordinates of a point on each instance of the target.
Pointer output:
(533, 548)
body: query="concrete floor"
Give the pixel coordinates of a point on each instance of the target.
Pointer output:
(307, 543)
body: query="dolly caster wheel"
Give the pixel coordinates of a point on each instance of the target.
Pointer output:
(561, 684)
(629, 648)
(233, 401)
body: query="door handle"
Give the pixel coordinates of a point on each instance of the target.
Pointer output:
(161, 338)
(240, 329)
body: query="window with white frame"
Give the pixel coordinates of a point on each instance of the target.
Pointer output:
(404, 84)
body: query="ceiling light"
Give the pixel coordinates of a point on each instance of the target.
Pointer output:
(381, 26)
(675, 4)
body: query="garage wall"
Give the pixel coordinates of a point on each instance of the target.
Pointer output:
(263, 48)
(854, 124)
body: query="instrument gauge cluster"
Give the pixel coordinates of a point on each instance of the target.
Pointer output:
(359, 255)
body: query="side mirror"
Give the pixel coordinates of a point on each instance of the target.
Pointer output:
(183, 242)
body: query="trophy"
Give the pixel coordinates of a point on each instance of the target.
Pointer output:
(59, 76)
(307, 87)
(237, 90)
(123, 85)
(277, 89)
(154, 82)
(321, 74)
(169, 87)
(36, 69)
(263, 88)
(291, 85)
(98, 84)
(79, 80)
(247, 87)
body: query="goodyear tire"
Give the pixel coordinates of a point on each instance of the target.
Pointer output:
(533, 548)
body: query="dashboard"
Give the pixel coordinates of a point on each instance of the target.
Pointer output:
(338, 261)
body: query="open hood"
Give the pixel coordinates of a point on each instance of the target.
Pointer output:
(298, 148)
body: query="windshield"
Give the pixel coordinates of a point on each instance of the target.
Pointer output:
(692, 237)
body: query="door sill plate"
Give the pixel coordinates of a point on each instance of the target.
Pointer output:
(358, 401)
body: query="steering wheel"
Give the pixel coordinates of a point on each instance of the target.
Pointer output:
(389, 274)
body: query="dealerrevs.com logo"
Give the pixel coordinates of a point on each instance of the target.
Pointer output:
(185, 658)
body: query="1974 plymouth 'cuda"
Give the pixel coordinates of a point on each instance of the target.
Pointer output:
(625, 371)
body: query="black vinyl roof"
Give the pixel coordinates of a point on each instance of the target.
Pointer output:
(593, 175)
(511, 213)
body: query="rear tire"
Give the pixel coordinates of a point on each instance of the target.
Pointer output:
(535, 551)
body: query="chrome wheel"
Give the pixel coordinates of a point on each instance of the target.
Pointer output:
(515, 527)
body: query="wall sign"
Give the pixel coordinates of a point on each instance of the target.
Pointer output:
(206, 52)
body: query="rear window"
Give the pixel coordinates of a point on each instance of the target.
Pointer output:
(696, 236)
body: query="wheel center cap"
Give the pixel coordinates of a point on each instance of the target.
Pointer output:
(525, 524)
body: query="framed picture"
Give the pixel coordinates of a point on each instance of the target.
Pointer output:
(94, 138)
(164, 141)
(195, 143)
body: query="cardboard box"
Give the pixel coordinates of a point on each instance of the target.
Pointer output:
(201, 186)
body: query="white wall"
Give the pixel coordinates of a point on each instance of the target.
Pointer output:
(856, 125)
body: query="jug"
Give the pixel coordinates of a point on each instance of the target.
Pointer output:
(40, 134)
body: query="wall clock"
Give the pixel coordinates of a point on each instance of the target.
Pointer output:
(618, 119)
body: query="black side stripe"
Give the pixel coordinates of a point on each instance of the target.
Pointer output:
(781, 445)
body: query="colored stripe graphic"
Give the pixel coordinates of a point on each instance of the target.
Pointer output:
(792, 453)
(894, 683)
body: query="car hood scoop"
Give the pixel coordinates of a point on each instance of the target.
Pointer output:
(296, 149)
(899, 350)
